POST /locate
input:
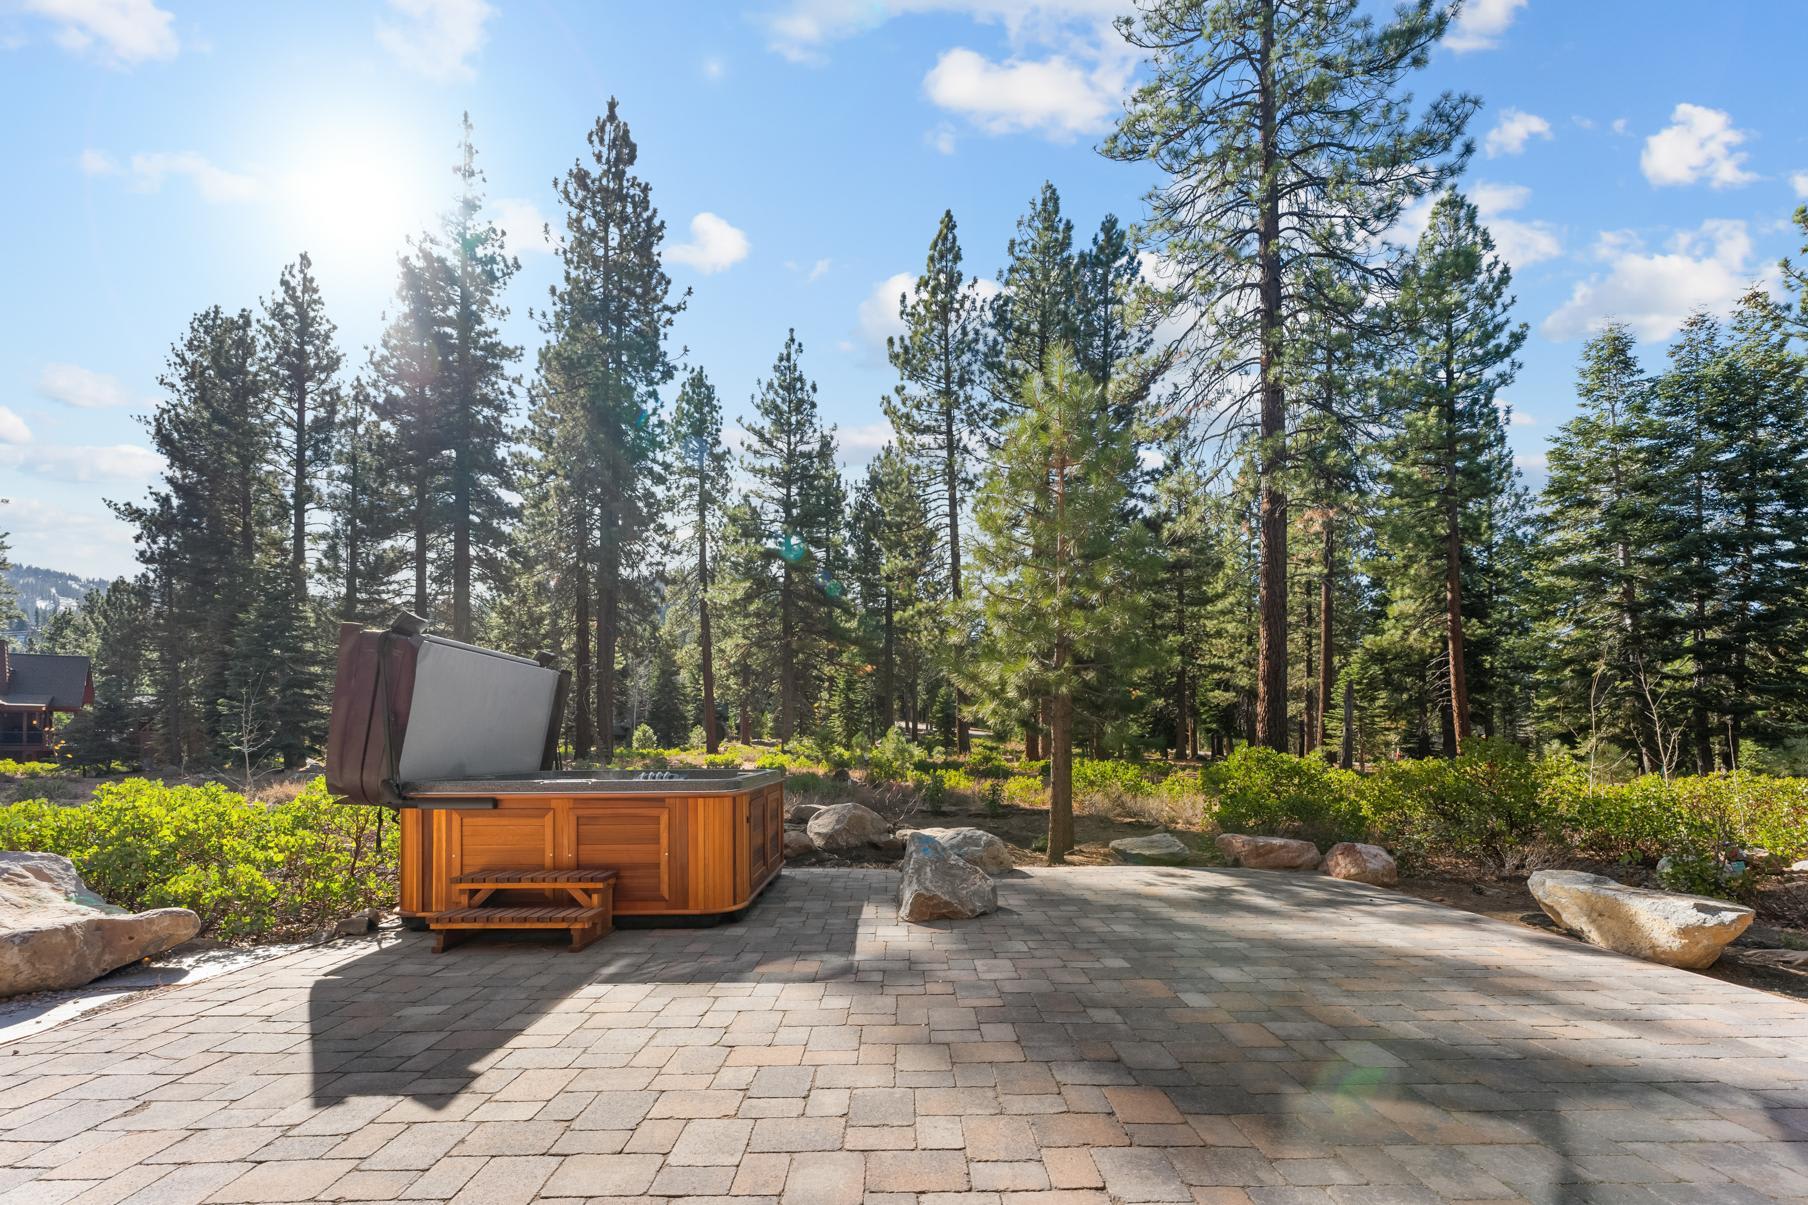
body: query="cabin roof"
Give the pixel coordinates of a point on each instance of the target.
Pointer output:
(58, 681)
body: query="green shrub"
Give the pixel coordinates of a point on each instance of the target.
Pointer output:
(1108, 778)
(10, 768)
(892, 759)
(1261, 791)
(721, 761)
(644, 738)
(1488, 803)
(994, 797)
(806, 782)
(247, 869)
(987, 761)
(932, 789)
(1025, 792)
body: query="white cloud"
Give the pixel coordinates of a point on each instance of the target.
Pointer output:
(714, 68)
(83, 388)
(525, 226)
(1513, 130)
(1799, 182)
(817, 271)
(1520, 243)
(1055, 96)
(1698, 144)
(857, 444)
(146, 171)
(1514, 416)
(1619, 125)
(714, 245)
(1481, 23)
(90, 541)
(1706, 268)
(1536, 462)
(941, 138)
(119, 32)
(877, 319)
(12, 428)
(80, 464)
(434, 38)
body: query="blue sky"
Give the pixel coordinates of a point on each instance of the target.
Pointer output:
(1634, 158)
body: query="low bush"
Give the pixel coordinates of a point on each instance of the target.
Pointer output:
(1489, 804)
(1258, 790)
(1024, 791)
(1108, 778)
(247, 869)
(987, 761)
(10, 768)
(892, 759)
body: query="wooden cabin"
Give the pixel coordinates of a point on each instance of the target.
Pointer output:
(34, 689)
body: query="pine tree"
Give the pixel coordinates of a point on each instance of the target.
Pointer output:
(202, 530)
(407, 370)
(1448, 456)
(1036, 307)
(1278, 126)
(478, 389)
(1599, 560)
(1684, 442)
(113, 632)
(1064, 573)
(789, 459)
(606, 359)
(301, 365)
(1111, 331)
(1761, 424)
(362, 558)
(699, 476)
(896, 565)
(940, 419)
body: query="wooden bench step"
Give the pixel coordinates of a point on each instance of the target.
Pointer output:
(578, 877)
(515, 918)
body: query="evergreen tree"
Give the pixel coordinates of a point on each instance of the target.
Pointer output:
(9, 597)
(940, 419)
(1600, 560)
(478, 389)
(1110, 327)
(201, 531)
(1447, 458)
(699, 476)
(361, 557)
(1761, 424)
(1036, 307)
(112, 631)
(301, 365)
(789, 460)
(605, 361)
(407, 369)
(1064, 573)
(1284, 144)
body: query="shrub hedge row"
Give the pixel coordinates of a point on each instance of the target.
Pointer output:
(1498, 805)
(248, 869)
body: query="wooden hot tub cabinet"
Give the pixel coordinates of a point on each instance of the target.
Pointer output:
(695, 843)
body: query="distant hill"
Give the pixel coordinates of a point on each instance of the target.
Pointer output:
(44, 592)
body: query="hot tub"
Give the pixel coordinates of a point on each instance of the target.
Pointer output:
(462, 742)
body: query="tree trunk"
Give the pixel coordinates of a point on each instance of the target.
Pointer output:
(607, 632)
(1326, 663)
(1032, 740)
(584, 735)
(1060, 772)
(787, 659)
(420, 543)
(1453, 589)
(1348, 760)
(1271, 645)
(712, 734)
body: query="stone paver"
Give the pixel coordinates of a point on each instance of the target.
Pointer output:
(1109, 1035)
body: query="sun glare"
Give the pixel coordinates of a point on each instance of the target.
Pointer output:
(355, 200)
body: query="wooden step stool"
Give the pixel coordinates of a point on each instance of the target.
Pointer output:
(589, 918)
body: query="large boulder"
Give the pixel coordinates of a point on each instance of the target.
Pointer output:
(1268, 853)
(1161, 849)
(975, 845)
(935, 884)
(56, 933)
(844, 826)
(1361, 864)
(798, 843)
(1677, 930)
(800, 813)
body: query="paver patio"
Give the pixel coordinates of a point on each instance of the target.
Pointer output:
(1137, 1035)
